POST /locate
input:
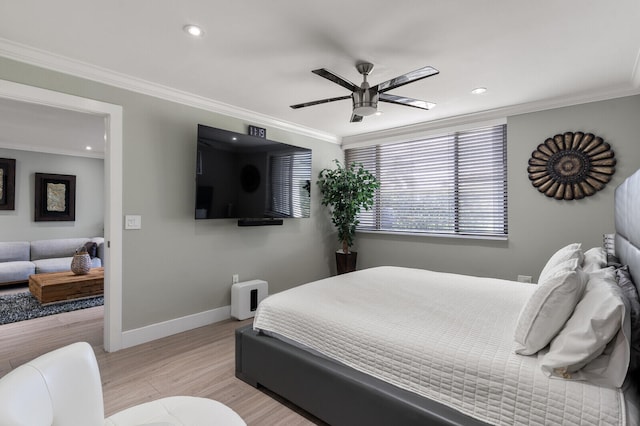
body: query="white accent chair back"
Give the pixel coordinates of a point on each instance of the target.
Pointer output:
(63, 388)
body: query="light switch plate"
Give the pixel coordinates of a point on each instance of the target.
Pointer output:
(133, 222)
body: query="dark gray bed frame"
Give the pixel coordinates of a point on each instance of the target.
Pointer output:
(331, 391)
(340, 395)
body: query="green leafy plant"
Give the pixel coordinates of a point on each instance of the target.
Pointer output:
(347, 190)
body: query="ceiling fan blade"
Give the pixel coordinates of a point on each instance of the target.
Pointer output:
(407, 78)
(322, 72)
(401, 100)
(355, 118)
(321, 101)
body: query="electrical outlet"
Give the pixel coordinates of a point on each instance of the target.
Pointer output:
(235, 278)
(524, 278)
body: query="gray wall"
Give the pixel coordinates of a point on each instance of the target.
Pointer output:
(19, 224)
(176, 266)
(538, 225)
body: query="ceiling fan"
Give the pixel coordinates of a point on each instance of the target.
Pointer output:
(365, 98)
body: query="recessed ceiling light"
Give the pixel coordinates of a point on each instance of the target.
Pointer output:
(88, 148)
(193, 30)
(234, 138)
(479, 90)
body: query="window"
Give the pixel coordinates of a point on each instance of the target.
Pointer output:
(289, 184)
(452, 184)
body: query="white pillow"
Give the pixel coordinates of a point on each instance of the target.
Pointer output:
(564, 266)
(594, 344)
(594, 259)
(549, 307)
(572, 251)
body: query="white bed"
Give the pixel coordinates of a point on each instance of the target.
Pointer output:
(447, 339)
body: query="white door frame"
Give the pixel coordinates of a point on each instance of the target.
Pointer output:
(113, 192)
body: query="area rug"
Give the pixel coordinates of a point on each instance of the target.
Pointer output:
(23, 306)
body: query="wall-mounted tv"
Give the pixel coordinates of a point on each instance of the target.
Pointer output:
(250, 178)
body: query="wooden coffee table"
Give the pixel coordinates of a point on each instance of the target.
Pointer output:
(62, 286)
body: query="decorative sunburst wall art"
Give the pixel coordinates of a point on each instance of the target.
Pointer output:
(571, 166)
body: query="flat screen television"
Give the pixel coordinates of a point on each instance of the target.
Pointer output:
(253, 179)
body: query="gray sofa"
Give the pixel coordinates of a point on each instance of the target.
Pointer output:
(19, 259)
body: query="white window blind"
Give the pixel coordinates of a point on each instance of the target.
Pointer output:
(451, 184)
(289, 184)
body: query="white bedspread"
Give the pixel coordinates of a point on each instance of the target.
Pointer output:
(444, 336)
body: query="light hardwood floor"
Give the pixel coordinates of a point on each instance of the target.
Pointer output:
(199, 362)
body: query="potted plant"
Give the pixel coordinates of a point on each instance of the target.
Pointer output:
(347, 190)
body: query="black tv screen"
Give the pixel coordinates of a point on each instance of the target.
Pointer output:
(245, 177)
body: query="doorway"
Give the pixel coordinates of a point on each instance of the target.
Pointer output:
(112, 115)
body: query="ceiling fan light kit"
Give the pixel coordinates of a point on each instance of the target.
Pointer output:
(365, 102)
(365, 98)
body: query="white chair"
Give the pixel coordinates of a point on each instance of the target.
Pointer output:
(63, 388)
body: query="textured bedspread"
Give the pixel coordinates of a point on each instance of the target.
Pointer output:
(444, 336)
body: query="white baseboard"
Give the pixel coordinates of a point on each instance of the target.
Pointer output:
(178, 325)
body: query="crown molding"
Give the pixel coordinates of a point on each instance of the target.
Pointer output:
(41, 58)
(48, 60)
(482, 118)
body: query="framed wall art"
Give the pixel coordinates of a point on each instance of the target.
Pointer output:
(55, 197)
(7, 183)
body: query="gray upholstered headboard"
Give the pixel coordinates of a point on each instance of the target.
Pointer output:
(627, 217)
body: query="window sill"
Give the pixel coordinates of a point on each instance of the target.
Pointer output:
(435, 235)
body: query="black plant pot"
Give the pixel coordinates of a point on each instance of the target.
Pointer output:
(346, 262)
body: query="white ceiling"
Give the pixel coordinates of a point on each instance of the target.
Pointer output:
(41, 128)
(258, 55)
